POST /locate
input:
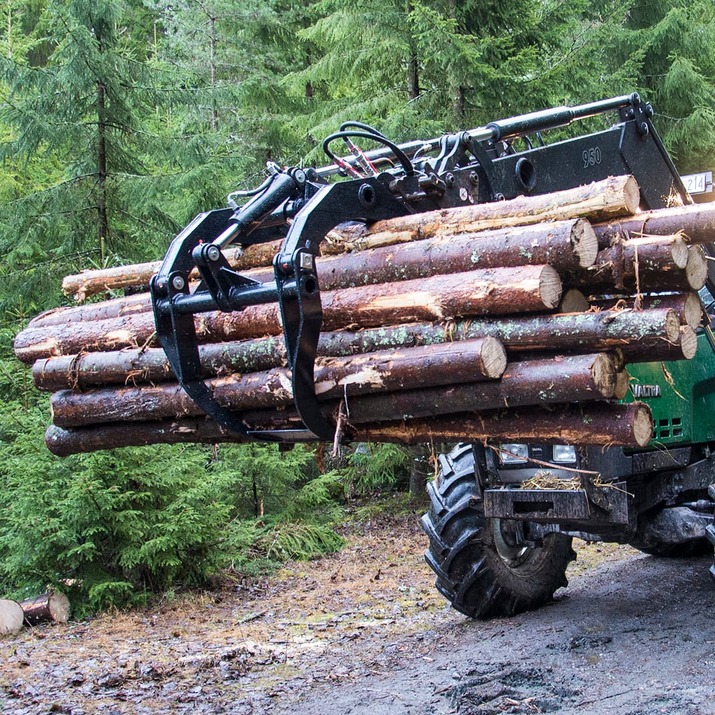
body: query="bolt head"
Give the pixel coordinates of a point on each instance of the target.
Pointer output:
(178, 282)
(213, 253)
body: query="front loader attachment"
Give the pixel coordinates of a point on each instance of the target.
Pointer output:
(469, 167)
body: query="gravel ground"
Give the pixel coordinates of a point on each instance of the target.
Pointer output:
(364, 631)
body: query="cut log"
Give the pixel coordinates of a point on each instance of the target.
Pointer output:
(687, 306)
(659, 263)
(559, 379)
(499, 290)
(593, 424)
(615, 196)
(581, 332)
(11, 617)
(53, 607)
(597, 424)
(682, 349)
(88, 283)
(565, 245)
(696, 222)
(398, 369)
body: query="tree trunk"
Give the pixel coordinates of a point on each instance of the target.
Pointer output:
(420, 471)
(398, 369)
(53, 607)
(499, 290)
(593, 424)
(587, 332)
(102, 218)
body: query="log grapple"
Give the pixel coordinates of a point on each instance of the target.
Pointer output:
(502, 160)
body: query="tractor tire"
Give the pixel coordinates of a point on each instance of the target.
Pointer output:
(481, 567)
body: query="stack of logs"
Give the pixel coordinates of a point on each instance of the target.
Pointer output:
(511, 320)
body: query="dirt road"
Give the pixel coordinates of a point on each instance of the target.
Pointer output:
(363, 632)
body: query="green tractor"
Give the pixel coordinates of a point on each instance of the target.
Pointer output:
(499, 549)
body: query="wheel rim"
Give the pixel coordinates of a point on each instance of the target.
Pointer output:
(509, 542)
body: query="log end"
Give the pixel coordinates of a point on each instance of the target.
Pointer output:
(642, 421)
(679, 252)
(550, 287)
(696, 269)
(584, 242)
(692, 312)
(603, 372)
(622, 385)
(574, 301)
(688, 342)
(631, 195)
(59, 606)
(672, 327)
(11, 617)
(493, 357)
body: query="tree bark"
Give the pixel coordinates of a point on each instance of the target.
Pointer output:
(687, 306)
(652, 263)
(397, 369)
(586, 332)
(53, 607)
(593, 424)
(616, 196)
(499, 291)
(696, 222)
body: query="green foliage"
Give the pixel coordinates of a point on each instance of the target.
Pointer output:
(375, 466)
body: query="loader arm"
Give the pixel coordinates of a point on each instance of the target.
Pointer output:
(479, 165)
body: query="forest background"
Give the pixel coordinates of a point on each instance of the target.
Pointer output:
(122, 119)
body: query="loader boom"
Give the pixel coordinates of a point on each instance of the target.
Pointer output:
(475, 166)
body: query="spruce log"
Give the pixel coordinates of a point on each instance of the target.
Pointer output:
(397, 369)
(565, 245)
(11, 617)
(687, 306)
(654, 263)
(581, 332)
(499, 290)
(53, 607)
(574, 301)
(612, 197)
(696, 222)
(600, 424)
(93, 282)
(682, 349)
(595, 423)
(563, 378)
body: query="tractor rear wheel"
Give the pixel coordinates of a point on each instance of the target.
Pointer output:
(483, 567)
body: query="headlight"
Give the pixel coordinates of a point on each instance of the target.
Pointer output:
(563, 453)
(517, 453)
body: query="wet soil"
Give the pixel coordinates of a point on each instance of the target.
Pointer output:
(364, 631)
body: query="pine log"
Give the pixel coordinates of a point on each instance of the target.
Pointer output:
(581, 332)
(11, 617)
(600, 424)
(53, 607)
(687, 306)
(112, 308)
(591, 424)
(623, 381)
(696, 222)
(499, 290)
(612, 197)
(397, 369)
